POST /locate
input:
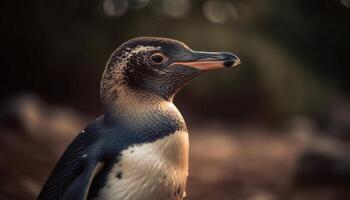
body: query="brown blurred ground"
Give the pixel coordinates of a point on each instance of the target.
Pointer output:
(227, 161)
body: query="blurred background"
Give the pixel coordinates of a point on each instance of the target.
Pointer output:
(277, 127)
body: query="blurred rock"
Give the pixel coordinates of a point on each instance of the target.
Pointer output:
(32, 137)
(339, 118)
(29, 115)
(318, 168)
(323, 158)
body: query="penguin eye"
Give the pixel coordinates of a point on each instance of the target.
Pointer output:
(158, 58)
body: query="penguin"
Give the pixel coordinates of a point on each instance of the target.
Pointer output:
(139, 148)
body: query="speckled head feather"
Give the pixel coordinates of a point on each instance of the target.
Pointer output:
(147, 69)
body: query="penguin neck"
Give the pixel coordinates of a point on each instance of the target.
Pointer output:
(140, 108)
(129, 101)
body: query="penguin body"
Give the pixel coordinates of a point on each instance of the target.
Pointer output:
(138, 150)
(113, 160)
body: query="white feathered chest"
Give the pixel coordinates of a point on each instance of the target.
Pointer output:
(150, 171)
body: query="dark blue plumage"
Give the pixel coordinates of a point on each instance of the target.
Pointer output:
(102, 141)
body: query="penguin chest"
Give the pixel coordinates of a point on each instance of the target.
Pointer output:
(154, 171)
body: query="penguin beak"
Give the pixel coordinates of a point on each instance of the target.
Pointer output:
(206, 61)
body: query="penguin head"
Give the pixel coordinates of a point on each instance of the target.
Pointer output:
(158, 66)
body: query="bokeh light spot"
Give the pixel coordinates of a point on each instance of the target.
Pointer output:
(219, 11)
(176, 8)
(345, 3)
(115, 8)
